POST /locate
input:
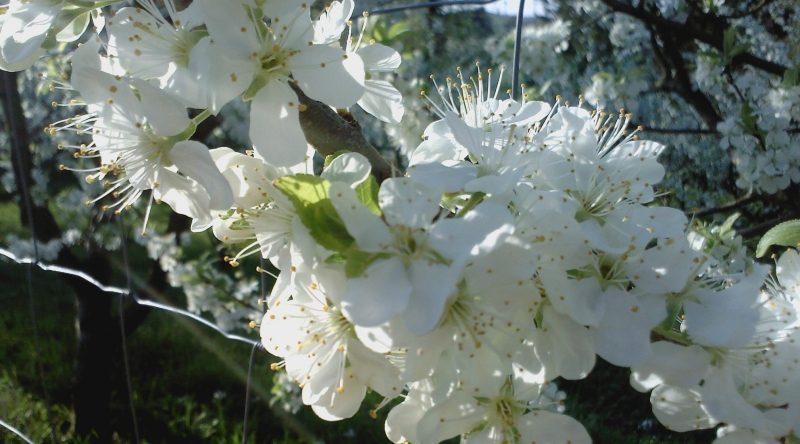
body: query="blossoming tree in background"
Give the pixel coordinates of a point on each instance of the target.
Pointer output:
(510, 246)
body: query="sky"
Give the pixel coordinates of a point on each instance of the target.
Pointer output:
(511, 7)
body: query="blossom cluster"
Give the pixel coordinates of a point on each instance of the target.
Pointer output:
(747, 139)
(139, 82)
(523, 242)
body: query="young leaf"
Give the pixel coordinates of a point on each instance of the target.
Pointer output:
(786, 234)
(310, 197)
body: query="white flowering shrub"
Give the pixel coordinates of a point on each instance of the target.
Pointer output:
(524, 240)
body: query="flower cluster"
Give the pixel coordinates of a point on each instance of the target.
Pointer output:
(151, 68)
(522, 244)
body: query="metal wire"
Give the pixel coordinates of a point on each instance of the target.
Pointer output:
(515, 86)
(262, 285)
(15, 431)
(116, 290)
(123, 334)
(392, 9)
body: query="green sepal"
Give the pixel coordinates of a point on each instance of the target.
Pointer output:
(727, 227)
(358, 261)
(310, 196)
(367, 193)
(258, 82)
(786, 234)
(748, 119)
(336, 258)
(331, 157)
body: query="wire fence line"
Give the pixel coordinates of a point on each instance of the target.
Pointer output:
(15, 431)
(121, 291)
(410, 6)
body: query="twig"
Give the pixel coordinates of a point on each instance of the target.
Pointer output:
(329, 133)
(647, 129)
(759, 229)
(744, 200)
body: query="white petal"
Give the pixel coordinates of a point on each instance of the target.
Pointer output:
(623, 336)
(450, 176)
(221, 76)
(369, 231)
(565, 347)
(337, 406)
(382, 100)
(186, 197)
(194, 160)
(317, 68)
(381, 293)
(349, 168)
(275, 125)
(75, 29)
(455, 416)
(379, 58)
(332, 22)
(541, 426)
(231, 27)
(165, 115)
(437, 150)
(433, 284)
(24, 28)
(670, 364)
(679, 409)
(406, 203)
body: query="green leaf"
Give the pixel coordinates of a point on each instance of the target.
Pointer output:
(791, 77)
(728, 40)
(730, 49)
(398, 29)
(748, 119)
(786, 234)
(367, 192)
(310, 197)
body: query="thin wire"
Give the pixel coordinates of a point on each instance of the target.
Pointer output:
(16, 431)
(515, 86)
(262, 285)
(392, 9)
(247, 392)
(123, 335)
(117, 290)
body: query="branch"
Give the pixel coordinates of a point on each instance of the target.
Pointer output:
(763, 227)
(699, 131)
(329, 133)
(744, 200)
(693, 29)
(669, 55)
